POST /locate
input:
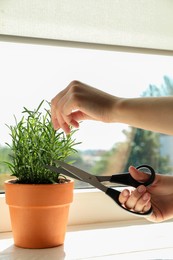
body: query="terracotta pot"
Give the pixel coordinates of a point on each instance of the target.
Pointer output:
(39, 213)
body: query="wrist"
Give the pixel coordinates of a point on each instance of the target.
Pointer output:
(119, 110)
(163, 184)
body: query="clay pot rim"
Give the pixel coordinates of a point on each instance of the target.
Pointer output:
(38, 194)
(14, 181)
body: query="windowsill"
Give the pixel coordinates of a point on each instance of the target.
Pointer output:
(116, 234)
(102, 241)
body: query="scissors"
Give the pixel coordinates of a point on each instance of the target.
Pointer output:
(96, 181)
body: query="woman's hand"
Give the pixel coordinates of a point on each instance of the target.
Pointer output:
(80, 102)
(159, 195)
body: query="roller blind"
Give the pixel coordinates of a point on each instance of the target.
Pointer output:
(134, 23)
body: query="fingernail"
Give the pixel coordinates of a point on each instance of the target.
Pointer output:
(125, 193)
(146, 196)
(141, 189)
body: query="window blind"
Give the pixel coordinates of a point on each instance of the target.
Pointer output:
(133, 23)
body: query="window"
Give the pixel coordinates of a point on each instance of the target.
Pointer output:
(30, 73)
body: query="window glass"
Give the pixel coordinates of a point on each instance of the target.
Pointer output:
(30, 73)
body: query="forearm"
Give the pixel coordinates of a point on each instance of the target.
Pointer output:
(153, 113)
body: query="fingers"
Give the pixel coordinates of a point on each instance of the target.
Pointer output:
(62, 106)
(138, 200)
(55, 115)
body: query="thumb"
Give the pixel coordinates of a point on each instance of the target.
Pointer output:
(138, 175)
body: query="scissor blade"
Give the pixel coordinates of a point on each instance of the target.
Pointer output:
(84, 176)
(75, 171)
(61, 170)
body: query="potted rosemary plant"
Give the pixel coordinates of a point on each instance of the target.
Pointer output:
(38, 199)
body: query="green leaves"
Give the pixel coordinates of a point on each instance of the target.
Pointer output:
(35, 144)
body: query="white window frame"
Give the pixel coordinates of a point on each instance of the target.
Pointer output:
(89, 205)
